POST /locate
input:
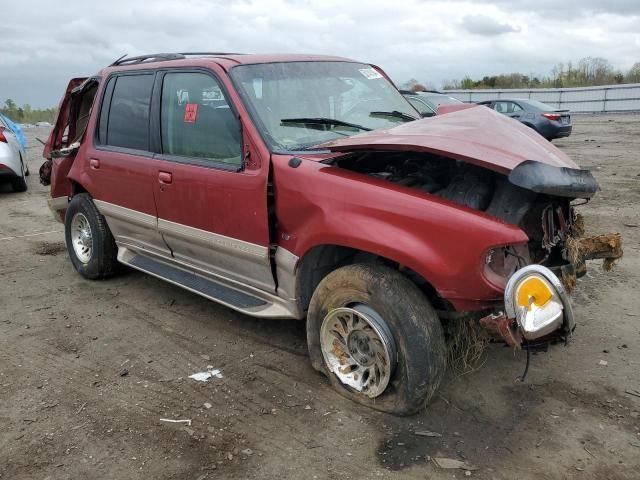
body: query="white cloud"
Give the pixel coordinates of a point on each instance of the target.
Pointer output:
(487, 26)
(46, 43)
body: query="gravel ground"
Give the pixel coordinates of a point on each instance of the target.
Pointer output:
(88, 369)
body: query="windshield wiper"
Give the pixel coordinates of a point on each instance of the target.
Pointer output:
(321, 121)
(394, 114)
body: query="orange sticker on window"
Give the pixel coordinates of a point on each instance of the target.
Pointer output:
(190, 112)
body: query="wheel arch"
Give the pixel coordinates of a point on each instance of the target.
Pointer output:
(320, 260)
(77, 188)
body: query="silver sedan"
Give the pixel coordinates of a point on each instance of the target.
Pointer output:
(12, 159)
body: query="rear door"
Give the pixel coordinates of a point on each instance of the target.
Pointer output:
(212, 205)
(117, 167)
(508, 108)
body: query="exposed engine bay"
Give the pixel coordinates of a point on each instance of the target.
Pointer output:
(549, 220)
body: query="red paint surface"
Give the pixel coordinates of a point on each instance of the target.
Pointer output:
(445, 243)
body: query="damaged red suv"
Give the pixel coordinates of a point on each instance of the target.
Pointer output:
(306, 187)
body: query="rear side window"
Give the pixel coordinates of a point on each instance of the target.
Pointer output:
(196, 120)
(127, 125)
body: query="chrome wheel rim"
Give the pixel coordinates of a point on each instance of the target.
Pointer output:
(81, 237)
(358, 348)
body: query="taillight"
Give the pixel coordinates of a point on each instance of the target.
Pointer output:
(2, 137)
(551, 116)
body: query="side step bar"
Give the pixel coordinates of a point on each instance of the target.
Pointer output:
(204, 286)
(237, 296)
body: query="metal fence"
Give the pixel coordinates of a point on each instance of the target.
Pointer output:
(602, 99)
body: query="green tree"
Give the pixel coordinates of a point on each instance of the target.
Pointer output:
(466, 83)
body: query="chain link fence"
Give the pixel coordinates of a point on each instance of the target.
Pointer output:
(602, 99)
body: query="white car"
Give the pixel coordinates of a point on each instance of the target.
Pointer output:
(12, 159)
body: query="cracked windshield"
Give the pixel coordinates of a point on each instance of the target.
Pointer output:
(302, 104)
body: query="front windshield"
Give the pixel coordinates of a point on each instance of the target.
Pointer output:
(301, 104)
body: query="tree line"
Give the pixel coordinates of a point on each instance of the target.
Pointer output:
(587, 72)
(27, 114)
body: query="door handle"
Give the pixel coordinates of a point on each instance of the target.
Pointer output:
(94, 163)
(165, 178)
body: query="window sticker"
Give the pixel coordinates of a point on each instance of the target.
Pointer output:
(183, 96)
(190, 113)
(370, 73)
(212, 94)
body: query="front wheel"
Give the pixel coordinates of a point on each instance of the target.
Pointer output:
(90, 244)
(377, 338)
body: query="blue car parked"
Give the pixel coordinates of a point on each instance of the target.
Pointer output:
(543, 118)
(15, 128)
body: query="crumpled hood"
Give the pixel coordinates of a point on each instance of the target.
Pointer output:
(476, 135)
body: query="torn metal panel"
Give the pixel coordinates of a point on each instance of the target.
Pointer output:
(503, 327)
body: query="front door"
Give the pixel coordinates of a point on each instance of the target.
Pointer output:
(212, 208)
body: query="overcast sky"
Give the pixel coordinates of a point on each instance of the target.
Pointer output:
(44, 43)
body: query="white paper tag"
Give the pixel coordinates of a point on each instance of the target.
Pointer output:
(370, 73)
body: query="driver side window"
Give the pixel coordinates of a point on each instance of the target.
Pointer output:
(196, 119)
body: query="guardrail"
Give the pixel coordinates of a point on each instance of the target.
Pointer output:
(601, 99)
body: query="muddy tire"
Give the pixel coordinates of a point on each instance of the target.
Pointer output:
(19, 184)
(393, 304)
(90, 243)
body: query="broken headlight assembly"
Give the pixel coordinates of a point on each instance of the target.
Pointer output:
(502, 262)
(538, 301)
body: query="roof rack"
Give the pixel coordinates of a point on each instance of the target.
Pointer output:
(154, 57)
(162, 57)
(213, 54)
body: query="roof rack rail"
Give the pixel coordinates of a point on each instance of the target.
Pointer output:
(408, 92)
(154, 57)
(214, 54)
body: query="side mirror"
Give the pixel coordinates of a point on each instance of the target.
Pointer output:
(427, 114)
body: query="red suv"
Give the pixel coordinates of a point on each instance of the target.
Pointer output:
(298, 186)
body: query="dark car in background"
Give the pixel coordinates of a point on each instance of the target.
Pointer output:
(546, 120)
(427, 103)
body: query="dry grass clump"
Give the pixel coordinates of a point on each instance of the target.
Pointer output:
(467, 342)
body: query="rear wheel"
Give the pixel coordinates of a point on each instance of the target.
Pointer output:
(90, 243)
(377, 338)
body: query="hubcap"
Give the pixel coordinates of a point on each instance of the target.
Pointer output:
(358, 348)
(81, 237)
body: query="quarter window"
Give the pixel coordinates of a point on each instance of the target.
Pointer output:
(128, 123)
(196, 119)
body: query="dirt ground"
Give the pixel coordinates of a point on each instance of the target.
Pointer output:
(88, 369)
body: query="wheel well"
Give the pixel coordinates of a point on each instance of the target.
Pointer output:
(76, 188)
(321, 260)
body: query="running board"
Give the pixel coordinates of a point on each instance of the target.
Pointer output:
(195, 283)
(261, 305)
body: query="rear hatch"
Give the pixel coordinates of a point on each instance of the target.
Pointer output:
(65, 138)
